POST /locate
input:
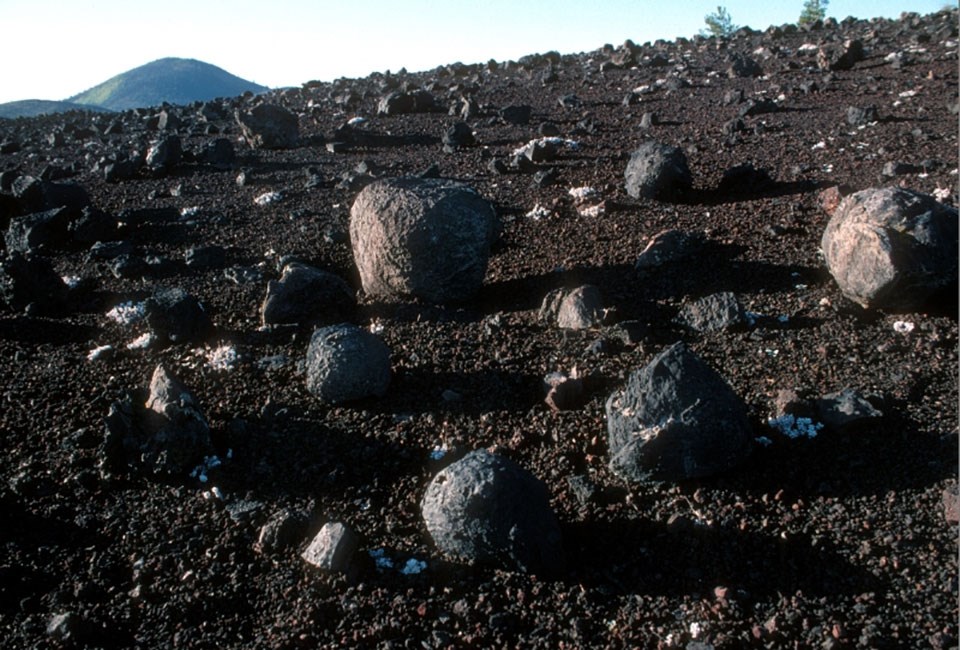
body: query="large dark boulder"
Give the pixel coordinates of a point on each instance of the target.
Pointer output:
(486, 509)
(840, 56)
(346, 363)
(175, 316)
(36, 195)
(743, 66)
(307, 296)
(269, 126)
(164, 154)
(428, 238)
(399, 102)
(676, 419)
(30, 280)
(657, 171)
(168, 434)
(891, 247)
(38, 231)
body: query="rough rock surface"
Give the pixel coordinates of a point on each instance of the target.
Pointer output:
(427, 238)
(175, 316)
(269, 126)
(657, 171)
(891, 247)
(307, 296)
(575, 309)
(168, 435)
(30, 280)
(346, 363)
(713, 313)
(668, 246)
(332, 548)
(486, 509)
(35, 232)
(847, 410)
(676, 419)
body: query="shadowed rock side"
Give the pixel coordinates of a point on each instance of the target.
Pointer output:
(676, 419)
(892, 247)
(424, 238)
(486, 509)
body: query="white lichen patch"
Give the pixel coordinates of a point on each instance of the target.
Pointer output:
(99, 352)
(539, 212)
(413, 567)
(72, 281)
(221, 358)
(142, 342)
(379, 556)
(903, 327)
(554, 141)
(591, 211)
(190, 211)
(942, 194)
(794, 427)
(128, 313)
(582, 193)
(268, 197)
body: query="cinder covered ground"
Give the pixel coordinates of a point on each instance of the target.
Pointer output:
(842, 540)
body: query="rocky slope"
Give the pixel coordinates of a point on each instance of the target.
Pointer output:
(143, 510)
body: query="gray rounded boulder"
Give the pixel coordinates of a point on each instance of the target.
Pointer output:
(657, 171)
(346, 363)
(891, 247)
(426, 238)
(485, 509)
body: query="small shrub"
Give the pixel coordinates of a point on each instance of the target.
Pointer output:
(719, 23)
(813, 10)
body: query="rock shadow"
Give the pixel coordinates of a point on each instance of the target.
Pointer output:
(28, 529)
(748, 189)
(894, 454)
(366, 140)
(640, 294)
(416, 390)
(289, 454)
(642, 557)
(25, 329)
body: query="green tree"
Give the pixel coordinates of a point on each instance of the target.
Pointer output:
(813, 10)
(719, 23)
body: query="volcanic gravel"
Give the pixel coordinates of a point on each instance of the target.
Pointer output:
(840, 540)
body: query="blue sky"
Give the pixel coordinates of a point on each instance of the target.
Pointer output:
(55, 49)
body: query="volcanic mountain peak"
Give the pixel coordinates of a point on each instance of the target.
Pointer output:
(172, 80)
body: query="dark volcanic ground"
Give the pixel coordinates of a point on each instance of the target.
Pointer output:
(841, 540)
